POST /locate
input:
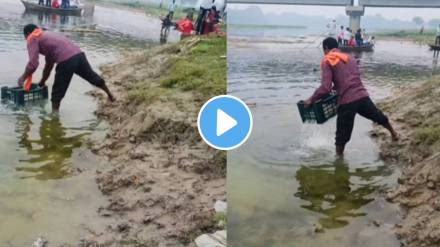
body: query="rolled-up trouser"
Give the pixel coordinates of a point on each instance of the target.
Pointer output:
(79, 65)
(347, 113)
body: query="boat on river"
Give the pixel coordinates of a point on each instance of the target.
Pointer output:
(362, 48)
(30, 6)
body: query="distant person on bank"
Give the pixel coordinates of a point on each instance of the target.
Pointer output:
(437, 39)
(340, 72)
(212, 21)
(185, 26)
(171, 10)
(69, 58)
(205, 7)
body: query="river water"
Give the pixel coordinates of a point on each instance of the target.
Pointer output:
(47, 183)
(285, 187)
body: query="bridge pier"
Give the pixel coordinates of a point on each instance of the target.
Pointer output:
(355, 13)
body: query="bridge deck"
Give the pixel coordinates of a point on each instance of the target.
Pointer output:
(366, 3)
(297, 2)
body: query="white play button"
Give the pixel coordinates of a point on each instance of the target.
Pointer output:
(224, 122)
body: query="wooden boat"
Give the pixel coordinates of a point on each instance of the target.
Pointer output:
(434, 47)
(363, 48)
(29, 6)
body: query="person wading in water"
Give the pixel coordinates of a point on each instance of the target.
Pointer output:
(69, 58)
(341, 72)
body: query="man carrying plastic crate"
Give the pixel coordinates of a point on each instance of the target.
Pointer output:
(340, 72)
(69, 58)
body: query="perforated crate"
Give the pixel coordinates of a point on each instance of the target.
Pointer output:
(321, 111)
(20, 97)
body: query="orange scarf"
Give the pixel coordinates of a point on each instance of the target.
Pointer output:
(334, 57)
(35, 34)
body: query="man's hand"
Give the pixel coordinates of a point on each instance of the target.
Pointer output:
(42, 84)
(20, 81)
(307, 103)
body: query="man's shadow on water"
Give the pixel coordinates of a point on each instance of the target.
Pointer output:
(49, 153)
(329, 191)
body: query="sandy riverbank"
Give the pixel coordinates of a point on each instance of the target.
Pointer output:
(416, 113)
(162, 180)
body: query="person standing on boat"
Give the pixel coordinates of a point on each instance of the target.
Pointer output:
(40, 2)
(358, 38)
(67, 56)
(347, 36)
(340, 72)
(341, 36)
(65, 4)
(55, 4)
(48, 3)
(437, 39)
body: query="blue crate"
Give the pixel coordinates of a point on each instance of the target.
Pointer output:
(321, 111)
(20, 97)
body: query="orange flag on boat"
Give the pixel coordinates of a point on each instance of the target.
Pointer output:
(35, 34)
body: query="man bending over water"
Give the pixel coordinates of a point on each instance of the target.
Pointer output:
(69, 58)
(342, 71)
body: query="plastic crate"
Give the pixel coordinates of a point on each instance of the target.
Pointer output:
(20, 97)
(321, 111)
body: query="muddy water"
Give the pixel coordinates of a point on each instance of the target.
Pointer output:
(285, 187)
(47, 173)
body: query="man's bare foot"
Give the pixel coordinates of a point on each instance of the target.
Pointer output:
(111, 98)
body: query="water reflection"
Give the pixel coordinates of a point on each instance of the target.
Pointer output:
(329, 190)
(51, 20)
(50, 152)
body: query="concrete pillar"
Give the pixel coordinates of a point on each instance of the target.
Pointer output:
(355, 13)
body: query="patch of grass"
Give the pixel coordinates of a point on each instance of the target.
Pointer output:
(147, 95)
(220, 159)
(427, 135)
(221, 219)
(202, 69)
(428, 36)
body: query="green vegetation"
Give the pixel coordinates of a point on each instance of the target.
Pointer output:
(428, 135)
(428, 36)
(203, 68)
(149, 8)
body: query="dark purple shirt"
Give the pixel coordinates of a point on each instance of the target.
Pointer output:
(346, 79)
(55, 47)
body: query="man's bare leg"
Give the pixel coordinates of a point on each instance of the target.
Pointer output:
(107, 91)
(340, 150)
(55, 107)
(393, 133)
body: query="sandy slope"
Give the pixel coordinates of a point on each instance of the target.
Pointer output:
(161, 180)
(416, 112)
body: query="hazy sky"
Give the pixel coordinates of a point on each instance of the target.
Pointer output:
(391, 13)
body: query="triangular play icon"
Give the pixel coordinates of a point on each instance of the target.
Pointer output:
(224, 122)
